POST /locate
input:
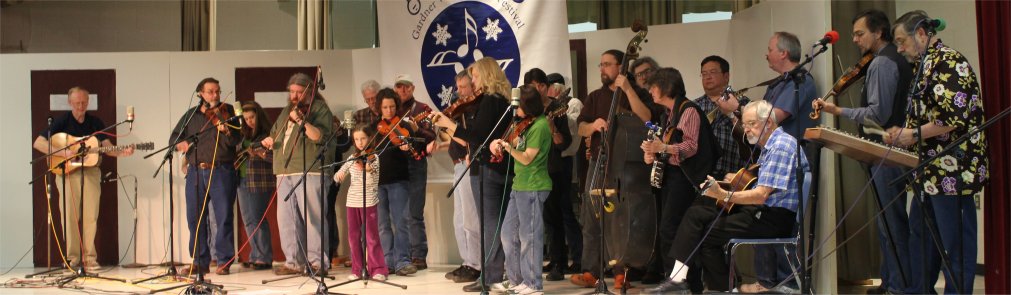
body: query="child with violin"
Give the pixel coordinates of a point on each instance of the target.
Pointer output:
(361, 205)
(393, 211)
(528, 143)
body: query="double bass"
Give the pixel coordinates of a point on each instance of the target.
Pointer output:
(627, 215)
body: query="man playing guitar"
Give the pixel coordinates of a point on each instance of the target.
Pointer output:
(78, 123)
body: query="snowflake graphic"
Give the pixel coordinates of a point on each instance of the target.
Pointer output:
(446, 95)
(491, 30)
(441, 34)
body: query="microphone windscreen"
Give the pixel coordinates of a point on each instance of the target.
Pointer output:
(515, 101)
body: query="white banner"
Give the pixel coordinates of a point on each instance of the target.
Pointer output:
(432, 40)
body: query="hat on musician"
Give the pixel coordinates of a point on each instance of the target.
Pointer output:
(404, 79)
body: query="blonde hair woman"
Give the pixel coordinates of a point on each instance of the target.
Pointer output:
(489, 179)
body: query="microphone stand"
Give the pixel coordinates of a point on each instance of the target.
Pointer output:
(80, 272)
(49, 237)
(365, 276)
(307, 269)
(481, 218)
(199, 285)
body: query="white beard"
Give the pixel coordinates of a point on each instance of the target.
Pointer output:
(752, 140)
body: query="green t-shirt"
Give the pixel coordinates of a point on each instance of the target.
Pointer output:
(534, 177)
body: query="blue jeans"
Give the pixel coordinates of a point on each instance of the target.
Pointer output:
(252, 206)
(295, 235)
(221, 198)
(958, 242)
(418, 181)
(393, 219)
(898, 229)
(492, 194)
(466, 225)
(522, 238)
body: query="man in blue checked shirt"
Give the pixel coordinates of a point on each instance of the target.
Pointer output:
(768, 210)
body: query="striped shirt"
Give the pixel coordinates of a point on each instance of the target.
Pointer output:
(689, 145)
(776, 171)
(355, 188)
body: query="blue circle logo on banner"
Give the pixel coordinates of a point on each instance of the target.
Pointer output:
(461, 34)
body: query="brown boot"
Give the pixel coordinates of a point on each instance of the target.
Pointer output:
(585, 280)
(619, 281)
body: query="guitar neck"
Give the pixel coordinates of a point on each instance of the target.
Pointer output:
(106, 149)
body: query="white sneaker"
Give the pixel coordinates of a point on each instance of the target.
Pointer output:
(499, 288)
(379, 278)
(352, 277)
(518, 289)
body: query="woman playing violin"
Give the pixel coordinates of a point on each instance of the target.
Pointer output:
(393, 179)
(488, 79)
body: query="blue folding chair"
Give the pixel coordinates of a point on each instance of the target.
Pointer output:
(731, 246)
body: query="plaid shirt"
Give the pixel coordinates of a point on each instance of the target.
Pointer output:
(258, 173)
(776, 170)
(723, 129)
(366, 116)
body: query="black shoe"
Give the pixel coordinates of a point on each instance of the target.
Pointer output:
(557, 273)
(452, 275)
(653, 277)
(475, 287)
(574, 268)
(669, 287)
(466, 275)
(419, 263)
(877, 290)
(548, 268)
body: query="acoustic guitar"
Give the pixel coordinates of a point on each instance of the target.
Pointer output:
(744, 179)
(87, 158)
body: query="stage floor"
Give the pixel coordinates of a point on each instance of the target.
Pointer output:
(246, 281)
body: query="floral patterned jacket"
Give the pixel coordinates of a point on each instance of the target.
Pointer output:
(950, 97)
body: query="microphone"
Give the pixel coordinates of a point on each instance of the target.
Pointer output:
(411, 139)
(937, 24)
(130, 116)
(237, 110)
(349, 120)
(514, 102)
(829, 38)
(322, 86)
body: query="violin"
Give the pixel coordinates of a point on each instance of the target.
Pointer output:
(213, 114)
(358, 155)
(515, 130)
(462, 104)
(394, 132)
(852, 75)
(301, 109)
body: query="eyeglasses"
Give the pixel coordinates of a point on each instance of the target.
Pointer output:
(751, 124)
(606, 64)
(710, 73)
(899, 41)
(643, 73)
